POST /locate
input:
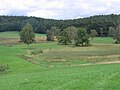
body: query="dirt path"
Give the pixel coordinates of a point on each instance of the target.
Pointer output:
(110, 62)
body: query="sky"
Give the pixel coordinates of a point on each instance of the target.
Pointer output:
(59, 9)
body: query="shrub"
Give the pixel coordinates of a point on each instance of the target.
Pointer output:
(35, 52)
(3, 67)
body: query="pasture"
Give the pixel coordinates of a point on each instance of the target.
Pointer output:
(50, 66)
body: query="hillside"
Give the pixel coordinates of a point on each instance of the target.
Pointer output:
(40, 25)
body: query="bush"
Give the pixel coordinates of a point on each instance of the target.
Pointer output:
(35, 52)
(117, 42)
(3, 67)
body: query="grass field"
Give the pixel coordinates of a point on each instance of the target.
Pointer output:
(59, 67)
(11, 38)
(14, 34)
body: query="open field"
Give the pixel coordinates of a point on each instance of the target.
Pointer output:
(59, 67)
(13, 38)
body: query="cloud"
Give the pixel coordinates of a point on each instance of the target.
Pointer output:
(59, 9)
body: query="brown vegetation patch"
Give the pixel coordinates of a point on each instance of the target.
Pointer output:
(56, 60)
(39, 39)
(8, 41)
(29, 59)
(13, 41)
(90, 64)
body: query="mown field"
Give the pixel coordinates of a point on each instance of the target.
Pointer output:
(49, 66)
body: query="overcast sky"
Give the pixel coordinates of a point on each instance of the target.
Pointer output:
(59, 9)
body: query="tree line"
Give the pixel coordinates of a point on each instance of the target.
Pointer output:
(99, 23)
(70, 35)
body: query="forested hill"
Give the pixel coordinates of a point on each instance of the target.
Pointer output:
(100, 23)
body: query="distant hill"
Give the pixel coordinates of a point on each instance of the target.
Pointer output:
(40, 25)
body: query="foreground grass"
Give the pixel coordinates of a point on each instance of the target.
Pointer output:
(105, 77)
(55, 70)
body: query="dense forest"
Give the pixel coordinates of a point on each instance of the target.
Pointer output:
(100, 23)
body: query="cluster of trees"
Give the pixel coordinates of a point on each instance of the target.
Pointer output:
(75, 36)
(70, 35)
(100, 23)
(80, 36)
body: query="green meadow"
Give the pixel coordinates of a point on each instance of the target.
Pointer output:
(50, 66)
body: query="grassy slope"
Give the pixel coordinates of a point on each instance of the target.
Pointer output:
(23, 75)
(14, 34)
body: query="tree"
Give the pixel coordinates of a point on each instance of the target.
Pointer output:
(83, 37)
(117, 33)
(57, 33)
(40, 25)
(54, 31)
(48, 34)
(27, 35)
(64, 38)
(72, 34)
(93, 33)
(101, 32)
(111, 32)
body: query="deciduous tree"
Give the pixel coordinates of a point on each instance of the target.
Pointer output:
(27, 35)
(117, 34)
(93, 33)
(83, 37)
(64, 38)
